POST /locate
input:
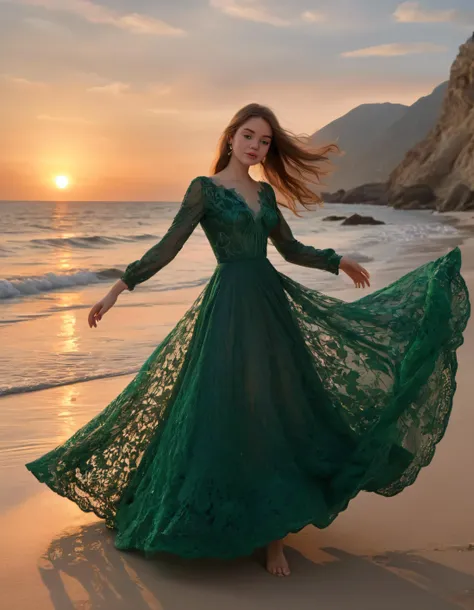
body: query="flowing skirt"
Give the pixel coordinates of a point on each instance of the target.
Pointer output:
(268, 407)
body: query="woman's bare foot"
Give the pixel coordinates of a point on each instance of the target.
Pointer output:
(276, 560)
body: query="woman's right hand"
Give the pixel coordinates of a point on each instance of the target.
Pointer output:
(100, 308)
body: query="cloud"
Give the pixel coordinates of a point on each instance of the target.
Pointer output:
(141, 24)
(313, 17)
(116, 88)
(21, 82)
(412, 12)
(95, 13)
(251, 10)
(64, 119)
(396, 49)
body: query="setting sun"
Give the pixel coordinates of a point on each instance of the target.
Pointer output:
(61, 182)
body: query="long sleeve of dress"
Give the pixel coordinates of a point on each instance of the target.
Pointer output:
(187, 218)
(295, 252)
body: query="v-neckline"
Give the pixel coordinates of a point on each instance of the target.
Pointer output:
(240, 197)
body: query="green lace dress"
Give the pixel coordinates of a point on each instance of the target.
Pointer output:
(270, 405)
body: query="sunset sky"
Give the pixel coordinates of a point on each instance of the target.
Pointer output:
(128, 98)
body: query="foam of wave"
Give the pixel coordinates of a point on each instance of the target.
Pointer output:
(408, 233)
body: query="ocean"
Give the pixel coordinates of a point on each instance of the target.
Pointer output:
(58, 258)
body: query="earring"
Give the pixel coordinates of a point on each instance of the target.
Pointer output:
(230, 150)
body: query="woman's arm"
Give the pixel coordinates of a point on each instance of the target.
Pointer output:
(295, 252)
(162, 253)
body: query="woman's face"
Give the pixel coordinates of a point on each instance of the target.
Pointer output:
(251, 141)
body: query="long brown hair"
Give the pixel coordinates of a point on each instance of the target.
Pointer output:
(290, 162)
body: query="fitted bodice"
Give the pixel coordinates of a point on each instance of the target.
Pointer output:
(233, 229)
(235, 232)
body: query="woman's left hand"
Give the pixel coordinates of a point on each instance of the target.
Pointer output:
(356, 272)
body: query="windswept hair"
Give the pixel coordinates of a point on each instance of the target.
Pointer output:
(291, 162)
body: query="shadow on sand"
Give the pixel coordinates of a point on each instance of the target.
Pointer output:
(82, 569)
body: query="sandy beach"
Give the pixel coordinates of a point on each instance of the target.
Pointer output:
(412, 551)
(248, 382)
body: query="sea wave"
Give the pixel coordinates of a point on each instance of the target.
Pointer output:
(6, 391)
(87, 241)
(36, 284)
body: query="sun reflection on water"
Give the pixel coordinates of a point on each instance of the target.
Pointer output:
(66, 415)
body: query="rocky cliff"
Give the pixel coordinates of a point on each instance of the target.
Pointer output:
(443, 162)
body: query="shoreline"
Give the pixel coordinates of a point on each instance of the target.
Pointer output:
(413, 255)
(380, 552)
(464, 219)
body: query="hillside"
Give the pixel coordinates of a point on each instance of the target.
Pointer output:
(375, 138)
(354, 133)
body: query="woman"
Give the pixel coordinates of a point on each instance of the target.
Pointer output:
(269, 406)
